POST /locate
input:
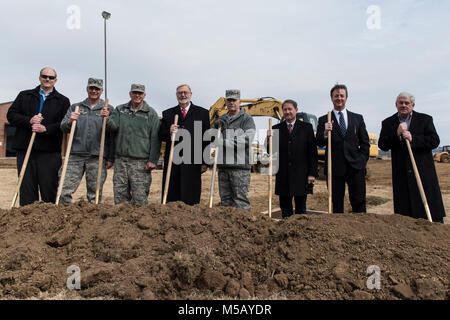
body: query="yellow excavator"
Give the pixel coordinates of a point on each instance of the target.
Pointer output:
(443, 155)
(269, 107)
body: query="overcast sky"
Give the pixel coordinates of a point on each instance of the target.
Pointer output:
(283, 49)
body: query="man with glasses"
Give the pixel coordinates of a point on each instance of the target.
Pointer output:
(188, 165)
(234, 165)
(137, 147)
(418, 129)
(39, 110)
(86, 144)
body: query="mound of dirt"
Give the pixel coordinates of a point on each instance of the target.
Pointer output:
(193, 252)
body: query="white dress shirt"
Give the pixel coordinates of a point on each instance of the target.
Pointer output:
(344, 113)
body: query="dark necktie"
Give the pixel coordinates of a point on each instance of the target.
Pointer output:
(184, 112)
(342, 123)
(290, 128)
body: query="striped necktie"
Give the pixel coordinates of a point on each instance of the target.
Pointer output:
(342, 123)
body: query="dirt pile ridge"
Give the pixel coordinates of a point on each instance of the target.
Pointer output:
(182, 252)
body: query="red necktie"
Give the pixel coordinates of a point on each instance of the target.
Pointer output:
(184, 112)
(290, 128)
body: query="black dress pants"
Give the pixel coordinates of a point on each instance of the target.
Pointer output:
(286, 205)
(356, 181)
(41, 175)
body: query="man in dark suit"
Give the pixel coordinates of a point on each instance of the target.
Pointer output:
(188, 164)
(419, 130)
(296, 161)
(39, 110)
(349, 151)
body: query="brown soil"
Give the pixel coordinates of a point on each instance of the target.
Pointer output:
(182, 252)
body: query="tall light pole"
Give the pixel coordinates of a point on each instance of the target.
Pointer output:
(106, 16)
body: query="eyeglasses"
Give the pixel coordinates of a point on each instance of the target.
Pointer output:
(44, 76)
(183, 92)
(94, 88)
(138, 93)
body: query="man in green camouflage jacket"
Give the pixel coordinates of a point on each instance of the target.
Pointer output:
(137, 147)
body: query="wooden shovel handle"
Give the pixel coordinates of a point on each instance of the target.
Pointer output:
(24, 166)
(66, 159)
(329, 172)
(270, 171)
(169, 164)
(213, 177)
(419, 182)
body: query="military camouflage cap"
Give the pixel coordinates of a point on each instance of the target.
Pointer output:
(137, 87)
(233, 94)
(98, 83)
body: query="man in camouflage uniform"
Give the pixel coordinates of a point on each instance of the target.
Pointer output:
(137, 147)
(238, 130)
(86, 144)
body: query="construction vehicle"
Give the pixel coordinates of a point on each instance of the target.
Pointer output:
(444, 155)
(267, 106)
(373, 140)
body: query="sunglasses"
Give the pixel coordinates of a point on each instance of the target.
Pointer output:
(94, 89)
(44, 76)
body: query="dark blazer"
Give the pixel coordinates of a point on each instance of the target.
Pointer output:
(25, 107)
(407, 200)
(297, 158)
(185, 179)
(351, 150)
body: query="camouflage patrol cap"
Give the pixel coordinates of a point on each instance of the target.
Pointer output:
(98, 83)
(233, 94)
(137, 87)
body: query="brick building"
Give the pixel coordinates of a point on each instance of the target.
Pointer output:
(6, 131)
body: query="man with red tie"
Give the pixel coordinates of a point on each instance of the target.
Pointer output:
(188, 164)
(296, 161)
